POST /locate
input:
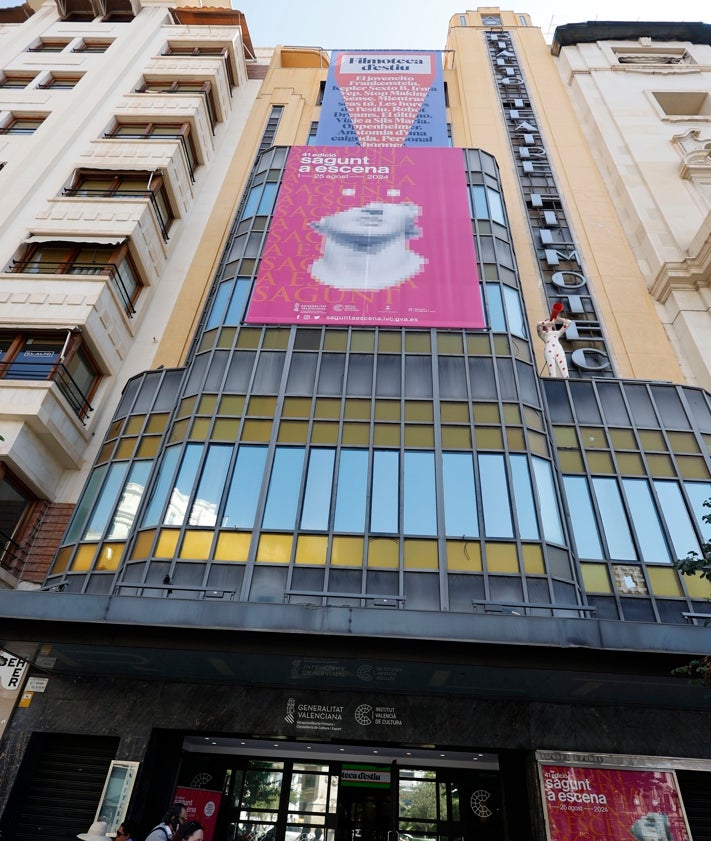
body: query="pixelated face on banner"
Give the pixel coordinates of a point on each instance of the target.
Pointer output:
(607, 804)
(384, 99)
(370, 237)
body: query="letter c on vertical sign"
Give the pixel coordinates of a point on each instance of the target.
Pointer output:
(579, 358)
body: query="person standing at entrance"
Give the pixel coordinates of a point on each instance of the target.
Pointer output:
(189, 831)
(176, 815)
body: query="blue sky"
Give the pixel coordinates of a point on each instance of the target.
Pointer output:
(397, 24)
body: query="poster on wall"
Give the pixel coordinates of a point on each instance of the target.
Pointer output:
(609, 804)
(370, 237)
(202, 805)
(383, 98)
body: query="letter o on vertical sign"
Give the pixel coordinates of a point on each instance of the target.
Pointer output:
(580, 359)
(559, 280)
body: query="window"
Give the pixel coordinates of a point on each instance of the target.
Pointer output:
(158, 131)
(188, 86)
(61, 81)
(15, 504)
(16, 80)
(49, 46)
(22, 124)
(85, 258)
(204, 50)
(95, 183)
(60, 356)
(92, 46)
(650, 55)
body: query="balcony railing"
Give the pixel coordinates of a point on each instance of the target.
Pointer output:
(12, 554)
(98, 193)
(37, 371)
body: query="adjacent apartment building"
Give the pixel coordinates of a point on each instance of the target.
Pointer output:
(378, 535)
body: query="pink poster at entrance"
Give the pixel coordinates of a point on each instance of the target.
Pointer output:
(202, 806)
(370, 236)
(610, 804)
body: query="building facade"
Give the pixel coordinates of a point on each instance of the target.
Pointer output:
(347, 564)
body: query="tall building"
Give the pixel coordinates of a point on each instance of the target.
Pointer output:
(359, 554)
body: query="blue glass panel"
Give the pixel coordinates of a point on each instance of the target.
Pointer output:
(252, 202)
(125, 512)
(523, 498)
(497, 322)
(547, 501)
(212, 484)
(514, 313)
(317, 496)
(235, 311)
(495, 496)
(107, 499)
(243, 495)
(86, 501)
(385, 496)
(478, 196)
(419, 499)
(582, 517)
(183, 488)
(614, 521)
(283, 494)
(267, 201)
(645, 520)
(162, 487)
(219, 304)
(459, 492)
(677, 517)
(351, 491)
(698, 493)
(496, 208)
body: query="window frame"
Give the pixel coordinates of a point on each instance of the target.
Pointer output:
(11, 544)
(210, 50)
(93, 45)
(8, 77)
(50, 45)
(173, 86)
(56, 81)
(145, 131)
(33, 121)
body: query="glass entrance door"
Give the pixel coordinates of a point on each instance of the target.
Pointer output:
(364, 814)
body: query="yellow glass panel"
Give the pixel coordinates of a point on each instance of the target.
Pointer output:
(454, 412)
(698, 588)
(327, 407)
(233, 545)
(196, 544)
(570, 462)
(419, 436)
(565, 436)
(520, 349)
(232, 404)
(501, 346)
(227, 337)
(207, 404)
(707, 443)
(114, 429)
(248, 337)
(489, 438)
(335, 340)
(357, 410)
(311, 549)
(683, 442)
(486, 412)
(491, 271)
(387, 410)
(464, 555)
(142, 546)
(389, 341)
(148, 446)
(356, 433)
(532, 418)
(384, 552)
(225, 429)
(293, 432)
(420, 554)
(274, 548)
(106, 451)
(62, 560)
(456, 437)
(110, 556)
(84, 557)
(664, 581)
(167, 543)
(134, 425)
(363, 340)
(512, 414)
(296, 407)
(262, 407)
(386, 435)
(660, 465)
(418, 411)
(254, 430)
(125, 448)
(450, 343)
(478, 344)
(692, 467)
(324, 433)
(207, 341)
(156, 423)
(187, 406)
(347, 552)
(179, 431)
(532, 559)
(501, 557)
(276, 338)
(652, 440)
(200, 429)
(593, 438)
(631, 463)
(596, 578)
(600, 463)
(623, 439)
(514, 438)
(417, 342)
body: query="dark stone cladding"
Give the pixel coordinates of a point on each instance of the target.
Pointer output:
(601, 30)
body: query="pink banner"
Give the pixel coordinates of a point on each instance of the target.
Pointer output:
(202, 806)
(598, 804)
(370, 237)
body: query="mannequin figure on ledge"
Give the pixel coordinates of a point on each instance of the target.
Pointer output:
(549, 331)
